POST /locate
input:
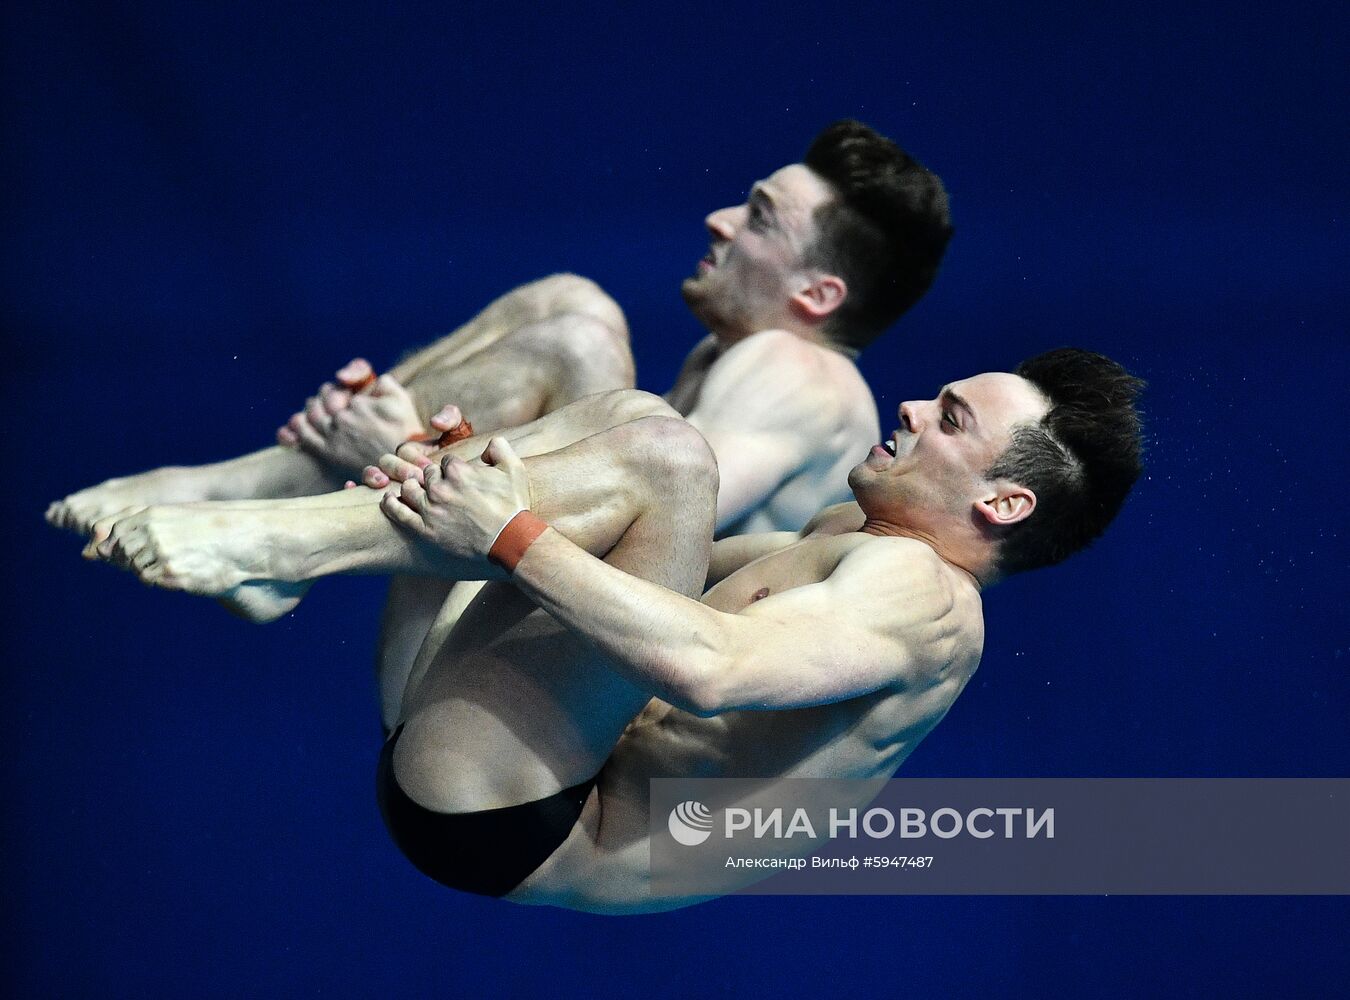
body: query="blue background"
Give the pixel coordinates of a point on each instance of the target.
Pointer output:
(208, 208)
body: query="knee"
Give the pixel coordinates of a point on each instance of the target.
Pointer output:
(579, 342)
(623, 406)
(571, 294)
(573, 331)
(670, 454)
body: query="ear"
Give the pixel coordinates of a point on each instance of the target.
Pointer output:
(815, 301)
(1008, 505)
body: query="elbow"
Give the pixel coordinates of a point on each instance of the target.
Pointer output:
(699, 687)
(701, 701)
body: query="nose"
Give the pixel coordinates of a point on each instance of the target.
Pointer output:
(722, 223)
(910, 418)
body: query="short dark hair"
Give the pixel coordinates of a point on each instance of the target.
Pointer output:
(1080, 460)
(884, 233)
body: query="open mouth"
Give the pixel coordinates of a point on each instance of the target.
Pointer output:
(886, 450)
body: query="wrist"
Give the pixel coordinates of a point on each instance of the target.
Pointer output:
(520, 531)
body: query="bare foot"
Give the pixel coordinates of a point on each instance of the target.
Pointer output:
(79, 511)
(215, 551)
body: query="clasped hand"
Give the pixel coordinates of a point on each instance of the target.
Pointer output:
(456, 505)
(345, 424)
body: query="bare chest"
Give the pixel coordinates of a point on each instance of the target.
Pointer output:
(800, 565)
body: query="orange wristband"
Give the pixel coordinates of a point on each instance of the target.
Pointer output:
(512, 541)
(459, 432)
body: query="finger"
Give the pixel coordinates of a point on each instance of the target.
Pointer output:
(410, 451)
(356, 374)
(402, 516)
(287, 438)
(317, 415)
(452, 468)
(500, 453)
(374, 478)
(399, 470)
(447, 418)
(387, 385)
(350, 484)
(310, 439)
(413, 496)
(334, 400)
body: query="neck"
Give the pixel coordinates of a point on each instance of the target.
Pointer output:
(727, 337)
(966, 563)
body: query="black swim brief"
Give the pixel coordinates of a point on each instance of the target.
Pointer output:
(488, 852)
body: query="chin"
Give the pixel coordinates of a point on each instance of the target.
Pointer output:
(858, 478)
(694, 296)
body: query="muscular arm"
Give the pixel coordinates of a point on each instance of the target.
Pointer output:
(884, 616)
(763, 410)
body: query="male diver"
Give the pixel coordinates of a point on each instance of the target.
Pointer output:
(520, 761)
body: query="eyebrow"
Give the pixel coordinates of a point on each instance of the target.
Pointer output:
(956, 400)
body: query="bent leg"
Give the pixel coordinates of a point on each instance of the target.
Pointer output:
(214, 548)
(601, 348)
(512, 707)
(511, 379)
(556, 295)
(515, 715)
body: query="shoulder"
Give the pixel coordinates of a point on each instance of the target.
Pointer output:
(911, 595)
(908, 578)
(895, 561)
(780, 349)
(836, 519)
(775, 374)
